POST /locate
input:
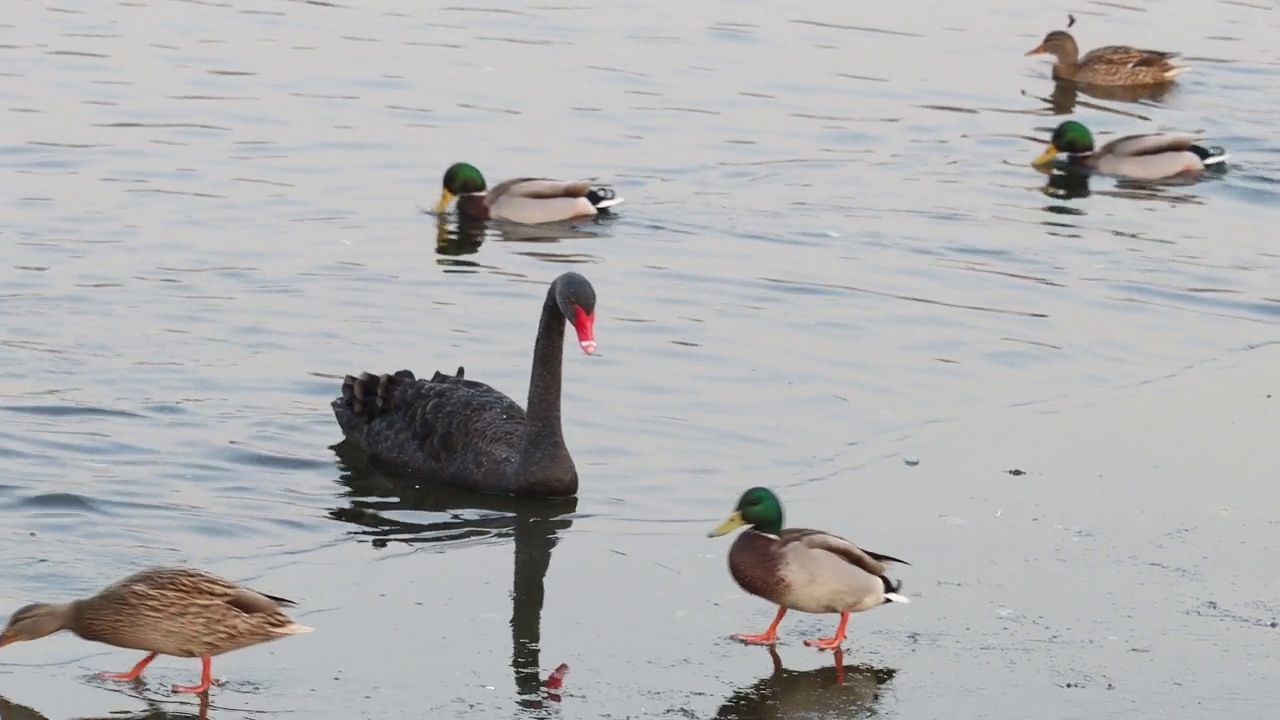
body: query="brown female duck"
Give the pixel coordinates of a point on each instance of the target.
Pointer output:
(165, 611)
(1110, 65)
(807, 570)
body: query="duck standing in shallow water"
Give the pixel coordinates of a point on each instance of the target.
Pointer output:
(466, 433)
(1140, 157)
(1110, 65)
(166, 611)
(522, 200)
(798, 569)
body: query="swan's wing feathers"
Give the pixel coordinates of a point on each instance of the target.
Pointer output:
(446, 377)
(473, 385)
(459, 416)
(395, 417)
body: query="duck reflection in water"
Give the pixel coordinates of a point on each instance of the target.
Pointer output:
(1066, 183)
(534, 526)
(13, 711)
(467, 234)
(839, 691)
(1066, 95)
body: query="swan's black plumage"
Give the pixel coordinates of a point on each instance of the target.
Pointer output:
(465, 432)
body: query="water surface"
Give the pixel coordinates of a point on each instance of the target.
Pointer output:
(834, 255)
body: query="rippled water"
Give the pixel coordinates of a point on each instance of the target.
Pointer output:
(834, 254)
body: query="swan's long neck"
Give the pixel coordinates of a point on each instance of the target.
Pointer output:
(543, 407)
(545, 468)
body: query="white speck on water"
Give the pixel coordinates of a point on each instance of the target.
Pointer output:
(911, 460)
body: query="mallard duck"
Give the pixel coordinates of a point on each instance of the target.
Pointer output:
(166, 611)
(1110, 65)
(522, 200)
(1142, 157)
(466, 433)
(798, 569)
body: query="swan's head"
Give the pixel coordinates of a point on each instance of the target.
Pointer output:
(577, 301)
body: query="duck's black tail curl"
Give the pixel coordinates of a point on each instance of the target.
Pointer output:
(603, 197)
(1210, 155)
(893, 591)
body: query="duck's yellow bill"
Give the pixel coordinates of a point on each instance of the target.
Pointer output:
(1037, 50)
(446, 197)
(734, 522)
(1047, 156)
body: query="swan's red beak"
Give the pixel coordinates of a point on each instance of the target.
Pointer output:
(583, 322)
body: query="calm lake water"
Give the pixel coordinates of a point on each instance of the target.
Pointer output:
(834, 260)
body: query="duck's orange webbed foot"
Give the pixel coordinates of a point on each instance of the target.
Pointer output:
(833, 642)
(764, 638)
(768, 637)
(206, 679)
(133, 674)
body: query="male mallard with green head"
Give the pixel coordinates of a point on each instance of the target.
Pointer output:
(166, 611)
(1110, 65)
(523, 200)
(1141, 157)
(798, 569)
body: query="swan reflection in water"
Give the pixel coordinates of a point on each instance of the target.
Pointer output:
(839, 691)
(13, 711)
(378, 503)
(466, 235)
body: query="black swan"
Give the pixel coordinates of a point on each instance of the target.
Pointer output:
(466, 433)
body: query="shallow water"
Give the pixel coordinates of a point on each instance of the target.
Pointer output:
(834, 256)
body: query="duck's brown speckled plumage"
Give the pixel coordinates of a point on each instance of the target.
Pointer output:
(1110, 65)
(182, 612)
